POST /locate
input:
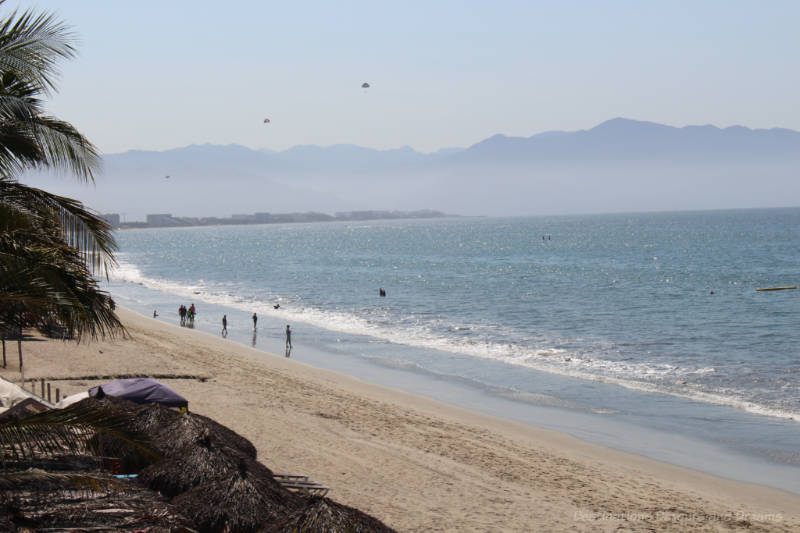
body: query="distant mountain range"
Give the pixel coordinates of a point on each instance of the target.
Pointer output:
(619, 165)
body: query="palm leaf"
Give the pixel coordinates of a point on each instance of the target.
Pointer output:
(32, 45)
(66, 431)
(81, 228)
(38, 480)
(30, 139)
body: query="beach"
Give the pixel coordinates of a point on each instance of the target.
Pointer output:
(414, 463)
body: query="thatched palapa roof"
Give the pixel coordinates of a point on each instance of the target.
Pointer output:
(203, 469)
(321, 515)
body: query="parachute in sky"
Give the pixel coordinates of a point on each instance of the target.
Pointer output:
(365, 85)
(266, 121)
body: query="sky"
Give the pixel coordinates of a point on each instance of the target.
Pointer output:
(156, 75)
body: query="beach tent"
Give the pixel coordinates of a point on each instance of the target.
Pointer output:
(142, 390)
(16, 402)
(66, 401)
(11, 394)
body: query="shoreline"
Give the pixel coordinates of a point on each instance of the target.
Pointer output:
(660, 427)
(416, 464)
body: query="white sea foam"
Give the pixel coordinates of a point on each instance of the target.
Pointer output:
(641, 376)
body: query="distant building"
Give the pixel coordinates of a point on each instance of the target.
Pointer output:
(162, 220)
(111, 218)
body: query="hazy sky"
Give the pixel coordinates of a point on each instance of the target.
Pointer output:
(157, 74)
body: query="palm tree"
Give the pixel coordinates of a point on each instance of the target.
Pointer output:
(50, 246)
(42, 276)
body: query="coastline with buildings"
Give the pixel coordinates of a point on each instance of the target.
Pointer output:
(166, 220)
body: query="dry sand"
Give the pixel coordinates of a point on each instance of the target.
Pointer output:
(416, 464)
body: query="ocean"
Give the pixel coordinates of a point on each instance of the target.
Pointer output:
(643, 332)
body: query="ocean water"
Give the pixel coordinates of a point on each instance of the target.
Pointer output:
(639, 331)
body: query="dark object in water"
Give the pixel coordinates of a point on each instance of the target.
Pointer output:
(777, 288)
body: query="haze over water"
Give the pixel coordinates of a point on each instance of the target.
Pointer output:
(651, 320)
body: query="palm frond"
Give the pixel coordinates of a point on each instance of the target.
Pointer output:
(38, 480)
(50, 245)
(82, 228)
(31, 139)
(64, 147)
(32, 44)
(65, 431)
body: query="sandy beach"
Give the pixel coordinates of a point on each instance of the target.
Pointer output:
(416, 464)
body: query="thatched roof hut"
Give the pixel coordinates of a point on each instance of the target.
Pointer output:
(321, 515)
(209, 471)
(172, 430)
(87, 501)
(53, 481)
(240, 502)
(211, 474)
(207, 462)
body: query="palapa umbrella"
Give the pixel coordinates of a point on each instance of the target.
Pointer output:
(215, 481)
(240, 502)
(209, 461)
(321, 515)
(169, 431)
(172, 431)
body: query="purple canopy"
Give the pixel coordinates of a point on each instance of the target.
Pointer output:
(142, 390)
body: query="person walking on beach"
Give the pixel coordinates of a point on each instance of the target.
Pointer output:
(255, 320)
(288, 340)
(224, 325)
(182, 313)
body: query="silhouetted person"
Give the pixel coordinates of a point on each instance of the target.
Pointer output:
(255, 320)
(224, 325)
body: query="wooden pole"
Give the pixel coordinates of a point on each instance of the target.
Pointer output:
(4, 351)
(19, 347)
(42, 388)
(48, 392)
(58, 394)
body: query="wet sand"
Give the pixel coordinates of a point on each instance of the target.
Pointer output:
(416, 464)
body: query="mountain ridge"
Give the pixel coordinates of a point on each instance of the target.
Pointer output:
(617, 165)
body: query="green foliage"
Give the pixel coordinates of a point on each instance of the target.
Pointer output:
(50, 246)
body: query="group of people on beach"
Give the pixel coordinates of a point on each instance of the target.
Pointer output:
(187, 319)
(187, 315)
(255, 327)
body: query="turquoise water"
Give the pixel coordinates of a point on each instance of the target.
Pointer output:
(647, 320)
